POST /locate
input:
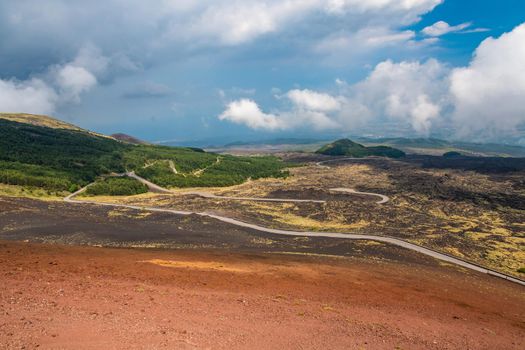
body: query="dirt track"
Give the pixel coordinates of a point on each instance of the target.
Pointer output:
(98, 298)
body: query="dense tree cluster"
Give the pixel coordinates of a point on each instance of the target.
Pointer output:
(73, 157)
(228, 171)
(117, 186)
(15, 173)
(185, 160)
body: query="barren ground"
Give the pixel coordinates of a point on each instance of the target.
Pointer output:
(70, 280)
(64, 297)
(475, 216)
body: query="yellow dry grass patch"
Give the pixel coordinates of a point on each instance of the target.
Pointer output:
(464, 222)
(500, 231)
(370, 243)
(446, 264)
(146, 195)
(38, 120)
(198, 265)
(45, 121)
(508, 255)
(260, 240)
(476, 236)
(249, 188)
(519, 241)
(452, 229)
(128, 213)
(30, 192)
(145, 199)
(454, 251)
(402, 203)
(490, 223)
(308, 223)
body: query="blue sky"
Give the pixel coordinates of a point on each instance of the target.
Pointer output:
(244, 70)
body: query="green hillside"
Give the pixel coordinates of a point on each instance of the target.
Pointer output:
(346, 147)
(60, 159)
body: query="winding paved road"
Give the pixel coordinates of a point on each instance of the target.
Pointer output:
(337, 235)
(383, 200)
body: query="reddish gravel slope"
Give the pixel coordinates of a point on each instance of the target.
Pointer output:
(57, 297)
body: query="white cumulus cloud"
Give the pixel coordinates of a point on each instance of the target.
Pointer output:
(489, 93)
(236, 22)
(60, 84)
(410, 9)
(308, 109)
(247, 112)
(216, 22)
(31, 96)
(411, 92)
(441, 28)
(74, 80)
(312, 100)
(483, 101)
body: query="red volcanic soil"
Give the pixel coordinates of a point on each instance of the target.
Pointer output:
(59, 297)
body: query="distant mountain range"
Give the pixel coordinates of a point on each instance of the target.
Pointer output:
(435, 146)
(430, 146)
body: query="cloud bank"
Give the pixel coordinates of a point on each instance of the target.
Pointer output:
(46, 63)
(53, 56)
(482, 100)
(58, 85)
(489, 94)
(173, 29)
(31, 96)
(405, 91)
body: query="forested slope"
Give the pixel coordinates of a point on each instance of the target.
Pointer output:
(66, 159)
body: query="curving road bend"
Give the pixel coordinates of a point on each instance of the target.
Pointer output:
(158, 189)
(383, 200)
(254, 199)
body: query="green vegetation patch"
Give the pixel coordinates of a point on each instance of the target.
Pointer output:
(56, 159)
(521, 270)
(31, 175)
(116, 186)
(185, 160)
(66, 160)
(346, 147)
(223, 170)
